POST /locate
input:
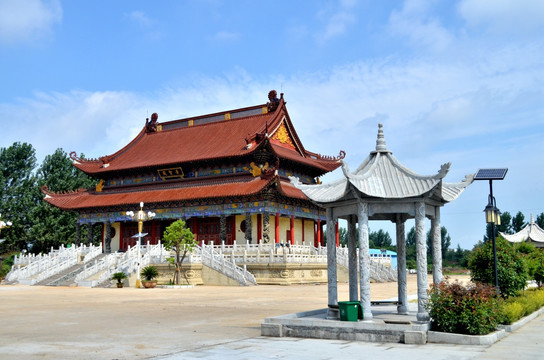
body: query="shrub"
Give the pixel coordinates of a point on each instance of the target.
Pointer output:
(473, 309)
(517, 307)
(511, 267)
(536, 261)
(119, 276)
(149, 272)
(512, 312)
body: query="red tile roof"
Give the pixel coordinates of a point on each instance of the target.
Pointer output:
(209, 138)
(87, 199)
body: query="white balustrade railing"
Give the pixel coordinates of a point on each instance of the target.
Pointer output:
(224, 265)
(91, 252)
(99, 265)
(42, 266)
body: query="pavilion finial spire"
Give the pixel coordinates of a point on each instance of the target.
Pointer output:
(380, 142)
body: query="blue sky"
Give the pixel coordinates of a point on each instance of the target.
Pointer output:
(452, 81)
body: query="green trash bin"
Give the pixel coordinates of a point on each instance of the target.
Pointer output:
(350, 310)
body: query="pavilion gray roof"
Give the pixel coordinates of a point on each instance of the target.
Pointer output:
(532, 233)
(381, 175)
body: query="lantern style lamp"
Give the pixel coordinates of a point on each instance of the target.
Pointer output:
(141, 216)
(492, 214)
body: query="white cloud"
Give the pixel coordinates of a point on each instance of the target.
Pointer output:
(224, 36)
(140, 18)
(338, 22)
(27, 20)
(483, 110)
(505, 16)
(420, 29)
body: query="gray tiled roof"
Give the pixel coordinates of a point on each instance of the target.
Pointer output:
(531, 232)
(381, 175)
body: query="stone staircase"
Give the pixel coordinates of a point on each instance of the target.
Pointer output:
(66, 277)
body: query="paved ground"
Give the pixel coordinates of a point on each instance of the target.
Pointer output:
(201, 323)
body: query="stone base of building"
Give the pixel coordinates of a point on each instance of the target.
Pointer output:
(265, 274)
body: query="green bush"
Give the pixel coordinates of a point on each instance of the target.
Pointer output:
(512, 312)
(517, 307)
(149, 273)
(511, 267)
(472, 309)
(6, 266)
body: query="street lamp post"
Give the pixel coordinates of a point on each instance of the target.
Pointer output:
(492, 213)
(141, 216)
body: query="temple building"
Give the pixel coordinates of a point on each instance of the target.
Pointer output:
(226, 174)
(531, 233)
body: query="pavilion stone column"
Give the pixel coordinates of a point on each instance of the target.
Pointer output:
(364, 260)
(223, 228)
(248, 228)
(107, 239)
(421, 253)
(437, 247)
(352, 259)
(89, 234)
(402, 308)
(266, 227)
(78, 234)
(332, 313)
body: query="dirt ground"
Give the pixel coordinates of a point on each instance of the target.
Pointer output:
(128, 323)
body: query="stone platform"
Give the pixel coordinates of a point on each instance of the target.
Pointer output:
(385, 326)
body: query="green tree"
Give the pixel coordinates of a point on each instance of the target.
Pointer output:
(17, 199)
(411, 254)
(511, 267)
(179, 238)
(540, 220)
(445, 242)
(380, 239)
(343, 236)
(518, 222)
(53, 226)
(537, 260)
(504, 227)
(506, 223)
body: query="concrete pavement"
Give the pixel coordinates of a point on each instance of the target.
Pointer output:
(205, 322)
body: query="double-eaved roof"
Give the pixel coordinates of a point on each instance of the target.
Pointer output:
(382, 176)
(221, 140)
(231, 134)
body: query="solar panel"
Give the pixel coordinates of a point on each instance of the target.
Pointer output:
(491, 174)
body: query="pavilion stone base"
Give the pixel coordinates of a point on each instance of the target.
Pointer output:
(313, 324)
(293, 273)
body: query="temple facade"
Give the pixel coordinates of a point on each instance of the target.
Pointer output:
(226, 174)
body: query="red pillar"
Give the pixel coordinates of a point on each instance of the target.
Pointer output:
(315, 234)
(195, 228)
(259, 228)
(303, 242)
(337, 235)
(277, 228)
(319, 233)
(292, 228)
(154, 241)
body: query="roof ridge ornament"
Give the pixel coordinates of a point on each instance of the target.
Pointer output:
(380, 141)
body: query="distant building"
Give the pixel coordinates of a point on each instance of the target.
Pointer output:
(532, 233)
(225, 173)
